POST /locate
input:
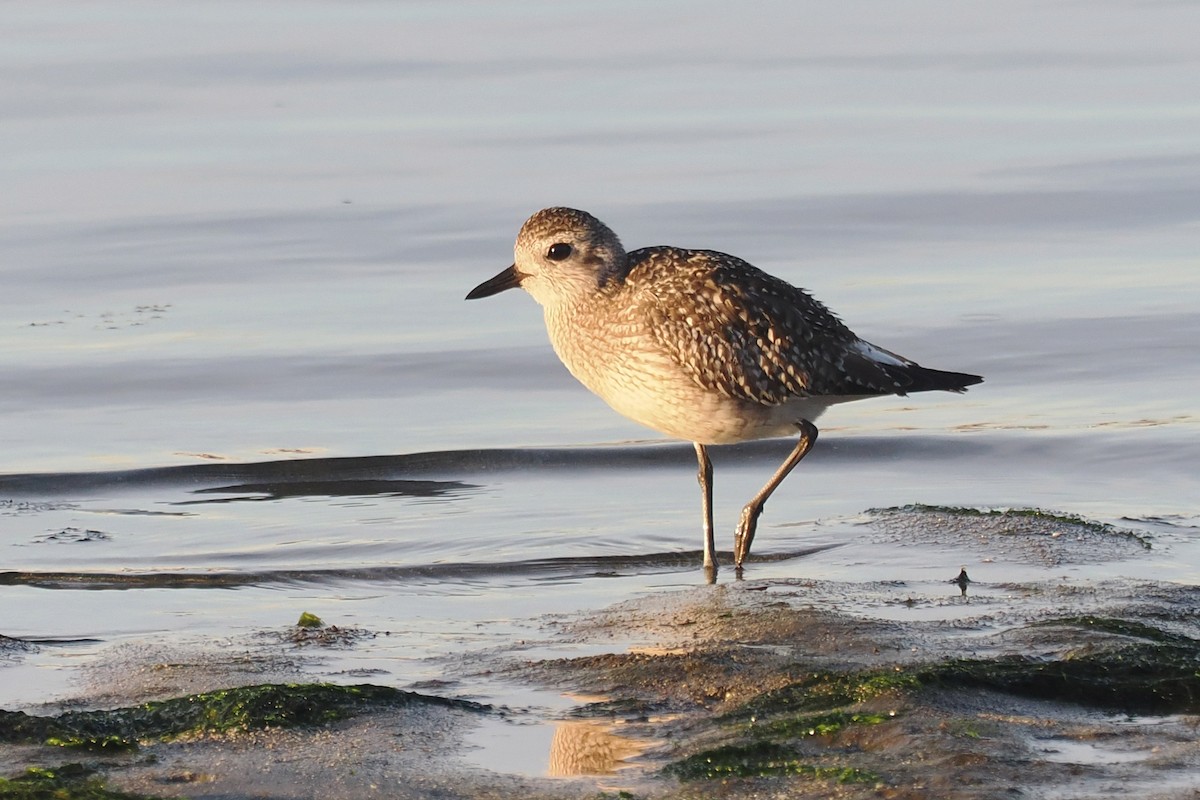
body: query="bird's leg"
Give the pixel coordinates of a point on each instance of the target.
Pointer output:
(750, 514)
(706, 493)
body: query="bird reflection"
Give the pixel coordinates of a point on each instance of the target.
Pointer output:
(589, 748)
(247, 492)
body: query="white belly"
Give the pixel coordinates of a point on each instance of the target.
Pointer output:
(649, 388)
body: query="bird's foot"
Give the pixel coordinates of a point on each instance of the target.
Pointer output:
(744, 537)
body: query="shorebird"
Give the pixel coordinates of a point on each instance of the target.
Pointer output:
(699, 345)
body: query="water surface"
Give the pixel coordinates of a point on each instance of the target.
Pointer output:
(238, 380)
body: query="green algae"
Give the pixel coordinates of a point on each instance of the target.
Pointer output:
(1140, 669)
(241, 708)
(17, 727)
(94, 744)
(760, 759)
(826, 724)
(1036, 514)
(1140, 678)
(820, 704)
(1147, 670)
(312, 630)
(308, 620)
(69, 782)
(1136, 668)
(260, 707)
(825, 691)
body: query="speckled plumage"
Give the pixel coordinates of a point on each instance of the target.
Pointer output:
(698, 344)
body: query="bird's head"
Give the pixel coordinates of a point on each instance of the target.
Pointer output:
(562, 256)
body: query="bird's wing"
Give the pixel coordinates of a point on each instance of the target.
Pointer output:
(739, 331)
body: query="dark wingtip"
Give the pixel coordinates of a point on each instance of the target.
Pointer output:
(959, 381)
(936, 380)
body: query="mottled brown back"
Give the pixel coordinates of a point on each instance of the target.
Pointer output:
(746, 334)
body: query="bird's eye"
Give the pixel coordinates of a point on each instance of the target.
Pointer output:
(559, 252)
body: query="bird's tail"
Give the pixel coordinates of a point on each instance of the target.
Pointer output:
(931, 380)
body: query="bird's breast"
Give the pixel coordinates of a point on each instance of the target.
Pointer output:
(621, 361)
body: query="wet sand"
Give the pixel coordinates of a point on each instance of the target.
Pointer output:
(802, 688)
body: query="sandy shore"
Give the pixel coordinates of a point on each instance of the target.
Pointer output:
(1057, 689)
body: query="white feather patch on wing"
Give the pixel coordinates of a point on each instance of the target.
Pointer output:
(881, 356)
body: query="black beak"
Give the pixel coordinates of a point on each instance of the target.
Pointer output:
(508, 279)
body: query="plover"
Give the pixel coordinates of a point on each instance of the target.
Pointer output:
(699, 345)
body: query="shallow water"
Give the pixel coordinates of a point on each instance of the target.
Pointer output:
(238, 380)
